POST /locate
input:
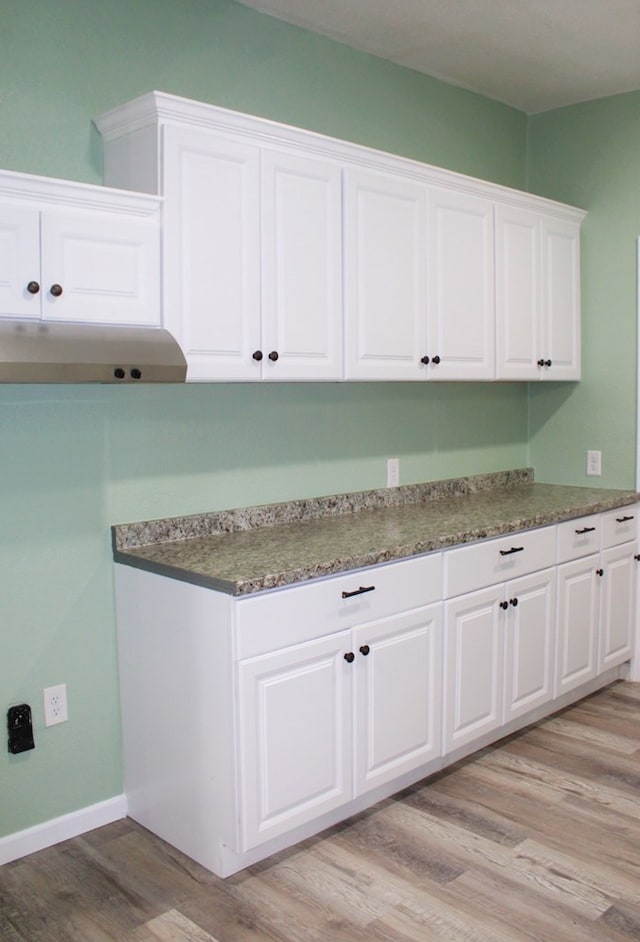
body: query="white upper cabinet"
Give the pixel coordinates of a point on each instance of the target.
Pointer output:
(252, 259)
(537, 295)
(561, 298)
(71, 252)
(461, 293)
(212, 252)
(385, 276)
(293, 256)
(301, 267)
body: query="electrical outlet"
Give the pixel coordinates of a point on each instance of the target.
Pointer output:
(393, 472)
(55, 705)
(594, 463)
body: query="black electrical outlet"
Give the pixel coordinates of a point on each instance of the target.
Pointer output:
(20, 728)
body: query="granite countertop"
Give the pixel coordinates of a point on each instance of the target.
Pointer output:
(248, 550)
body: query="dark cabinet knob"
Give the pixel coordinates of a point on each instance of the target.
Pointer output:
(257, 355)
(135, 373)
(364, 649)
(436, 360)
(637, 557)
(540, 362)
(55, 290)
(118, 373)
(599, 572)
(33, 287)
(273, 356)
(424, 360)
(349, 657)
(513, 602)
(504, 606)
(547, 362)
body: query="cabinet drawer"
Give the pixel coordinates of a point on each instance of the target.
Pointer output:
(300, 613)
(579, 537)
(483, 564)
(619, 526)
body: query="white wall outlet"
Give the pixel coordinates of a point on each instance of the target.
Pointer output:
(594, 463)
(393, 472)
(55, 705)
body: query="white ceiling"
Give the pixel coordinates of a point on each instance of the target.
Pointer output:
(531, 54)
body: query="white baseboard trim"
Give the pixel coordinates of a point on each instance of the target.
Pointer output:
(17, 845)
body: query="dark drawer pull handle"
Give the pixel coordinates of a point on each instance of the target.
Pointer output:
(360, 591)
(504, 606)
(364, 649)
(585, 530)
(514, 549)
(513, 602)
(349, 657)
(599, 572)
(624, 519)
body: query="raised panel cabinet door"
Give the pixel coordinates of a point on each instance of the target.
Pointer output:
(617, 605)
(577, 623)
(294, 736)
(518, 293)
(461, 325)
(212, 252)
(301, 203)
(19, 262)
(530, 648)
(561, 299)
(100, 268)
(385, 272)
(473, 666)
(398, 695)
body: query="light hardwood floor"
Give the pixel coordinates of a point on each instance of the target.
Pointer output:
(535, 839)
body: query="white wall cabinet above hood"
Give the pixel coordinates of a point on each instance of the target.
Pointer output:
(80, 297)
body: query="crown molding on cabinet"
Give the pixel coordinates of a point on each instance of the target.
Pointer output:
(25, 187)
(159, 107)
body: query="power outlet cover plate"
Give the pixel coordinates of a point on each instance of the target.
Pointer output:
(55, 705)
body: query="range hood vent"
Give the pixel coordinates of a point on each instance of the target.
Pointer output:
(45, 352)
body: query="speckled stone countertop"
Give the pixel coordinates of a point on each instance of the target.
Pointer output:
(248, 550)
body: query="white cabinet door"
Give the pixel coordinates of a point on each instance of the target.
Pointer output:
(19, 261)
(212, 252)
(385, 272)
(473, 666)
(561, 301)
(100, 268)
(295, 736)
(301, 267)
(530, 649)
(518, 293)
(461, 287)
(398, 695)
(617, 605)
(577, 623)
(537, 296)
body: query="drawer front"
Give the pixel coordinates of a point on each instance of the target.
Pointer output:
(579, 537)
(484, 564)
(619, 526)
(300, 613)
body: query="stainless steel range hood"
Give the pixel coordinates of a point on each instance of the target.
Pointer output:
(45, 352)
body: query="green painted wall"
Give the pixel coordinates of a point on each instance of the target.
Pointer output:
(589, 155)
(76, 459)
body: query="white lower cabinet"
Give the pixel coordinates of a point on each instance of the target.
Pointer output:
(327, 720)
(596, 596)
(295, 736)
(498, 656)
(577, 623)
(308, 703)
